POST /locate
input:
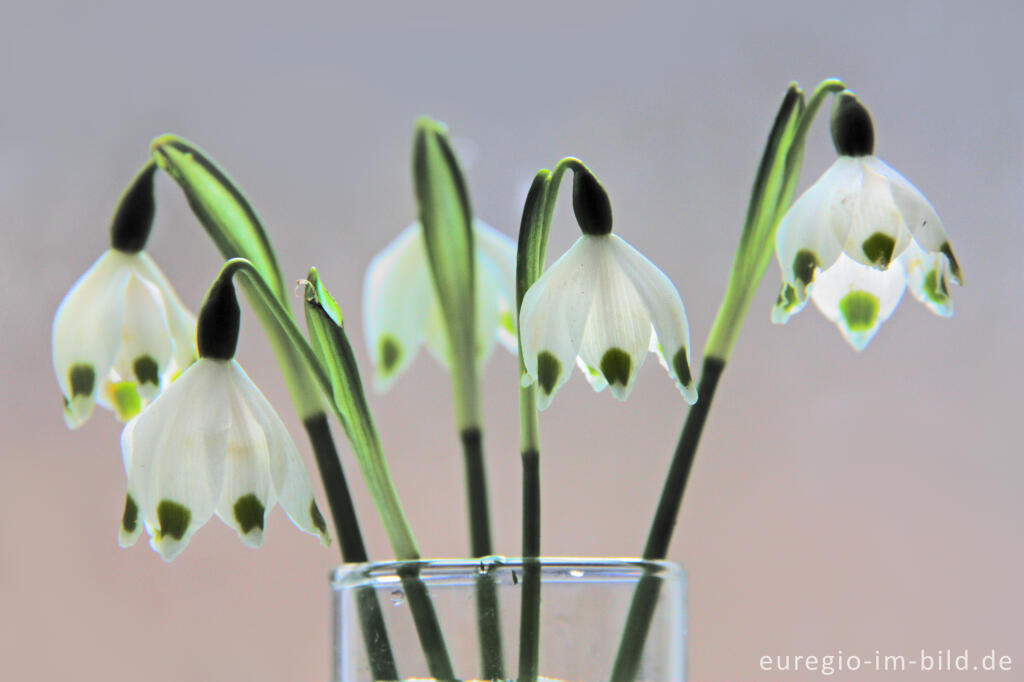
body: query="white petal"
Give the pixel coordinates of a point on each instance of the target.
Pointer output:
(286, 472)
(858, 298)
(806, 236)
(877, 232)
(928, 279)
(247, 494)
(659, 296)
(87, 332)
(496, 258)
(554, 315)
(174, 453)
(145, 344)
(179, 321)
(398, 298)
(618, 330)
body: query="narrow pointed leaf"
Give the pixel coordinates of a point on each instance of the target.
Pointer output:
(447, 219)
(332, 347)
(219, 204)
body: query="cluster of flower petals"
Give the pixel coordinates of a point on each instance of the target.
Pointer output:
(211, 444)
(603, 306)
(119, 336)
(854, 241)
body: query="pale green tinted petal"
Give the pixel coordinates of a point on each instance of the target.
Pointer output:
(928, 279)
(806, 238)
(87, 333)
(287, 474)
(174, 453)
(877, 233)
(398, 296)
(671, 341)
(553, 317)
(858, 298)
(496, 265)
(179, 321)
(495, 293)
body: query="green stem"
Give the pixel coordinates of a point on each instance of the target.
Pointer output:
(682, 461)
(476, 492)
(428, 628)
(529, 614)
(488, 616)
(343, 510)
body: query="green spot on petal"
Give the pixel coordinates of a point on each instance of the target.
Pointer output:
(859, 310)
(125, 399)
(804, 264)
(935, 287)
(682, 367)
(173, 519)
(878, 248)
(947, 251)
(615, 365)
(82, 379)
(548, 371)
(130, 518)
(390, 353)
(318, 518)
(146, 370)
(249, 513)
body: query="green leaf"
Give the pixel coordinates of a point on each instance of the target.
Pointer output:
(447, 222)
(219, 204)
(332, 348)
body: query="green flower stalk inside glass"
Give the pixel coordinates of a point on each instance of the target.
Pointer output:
(203, 440)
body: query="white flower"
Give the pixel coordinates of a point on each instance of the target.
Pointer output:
(211, 443)
(119, 336)
(596, 306)
(401, 306)
(854, 240)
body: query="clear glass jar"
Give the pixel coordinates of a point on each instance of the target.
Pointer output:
(494, 618)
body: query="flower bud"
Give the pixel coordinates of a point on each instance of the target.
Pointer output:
(133, 217)
(219, 319)
(852, 131)
(590, 203)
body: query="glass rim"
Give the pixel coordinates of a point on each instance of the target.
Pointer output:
(358, 574)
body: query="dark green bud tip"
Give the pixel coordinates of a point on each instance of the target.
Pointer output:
(133, 216)
(590, 203)
(852, 131)
(219, 318)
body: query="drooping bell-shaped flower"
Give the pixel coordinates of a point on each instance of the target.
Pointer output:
(602, 305)
(121, 333)
(859, 235)
(211, 443)
(401, 308)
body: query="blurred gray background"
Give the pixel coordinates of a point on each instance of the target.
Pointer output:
(841, 501)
